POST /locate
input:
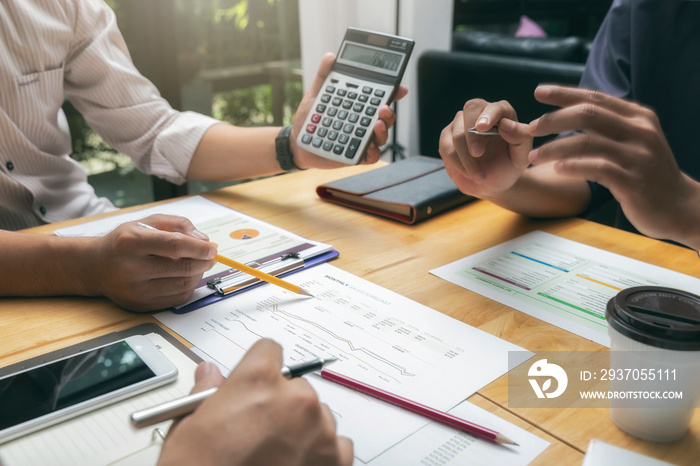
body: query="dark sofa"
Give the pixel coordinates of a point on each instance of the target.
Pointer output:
(494, 67)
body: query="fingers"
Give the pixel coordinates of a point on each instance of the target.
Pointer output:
(324, 70)
(400, 93)
(591, 111)
(176, 238)
(577, 146)
(345, 450)
(175, 224)
(261, 365)
(565, 96)
(206, 376)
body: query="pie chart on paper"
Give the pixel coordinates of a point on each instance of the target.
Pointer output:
(246, 233)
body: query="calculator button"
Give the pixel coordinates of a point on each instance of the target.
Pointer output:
(327, 146)
(343, 138)
(348, 128)
(352, 148)
(322, 132)
(317, 142)
(333, 135)
(347, 104)
(359, 132)
(341, 92)
(338, 149)
(330, 89)
(337, 101)
(352, 85)
(371, 111)
(306, 138)
(310, 128)
(334, 81)
(315, 118)
(352, 95)
(367, 90)
(375, 101)
(320, 108)
(332, 111)
(365, 121)
(379, 93)
(325, 98)
(363, 98)
(337, 125)
(353, 118)
(358, 107)
(343, 114)
(327, 121)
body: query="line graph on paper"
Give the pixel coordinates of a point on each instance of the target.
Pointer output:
(362, 330)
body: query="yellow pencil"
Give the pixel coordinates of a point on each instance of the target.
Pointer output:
(252, 271)
(261, 275)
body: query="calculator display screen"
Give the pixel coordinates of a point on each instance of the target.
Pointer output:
(371, 56)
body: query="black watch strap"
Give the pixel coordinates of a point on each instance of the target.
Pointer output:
(284, 156)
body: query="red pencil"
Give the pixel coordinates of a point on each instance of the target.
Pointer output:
(426, 411)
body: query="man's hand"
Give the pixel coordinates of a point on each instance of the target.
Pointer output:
(143, 269)
(304, 158)
(257, 417)
(620, 145)
(485, 166)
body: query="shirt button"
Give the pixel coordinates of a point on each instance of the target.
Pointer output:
(42, 209)
(10, 166)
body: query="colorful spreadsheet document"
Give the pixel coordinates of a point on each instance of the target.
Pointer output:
(559, 281)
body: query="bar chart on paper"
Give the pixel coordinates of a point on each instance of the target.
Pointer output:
(557, 280)
(378, 337)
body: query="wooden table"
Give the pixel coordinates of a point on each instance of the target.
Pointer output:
(397, 257)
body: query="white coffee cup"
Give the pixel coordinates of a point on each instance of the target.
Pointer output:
(655, 356)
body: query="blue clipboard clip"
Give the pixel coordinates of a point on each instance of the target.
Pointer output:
(216, 296)
(238, 280)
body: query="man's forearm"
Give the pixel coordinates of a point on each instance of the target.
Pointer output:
(229, 152)
(39, 265)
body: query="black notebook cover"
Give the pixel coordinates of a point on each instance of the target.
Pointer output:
(411, 190)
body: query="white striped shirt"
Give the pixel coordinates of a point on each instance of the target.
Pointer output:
(52, 49)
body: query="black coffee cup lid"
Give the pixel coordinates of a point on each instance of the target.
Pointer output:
(657, 316)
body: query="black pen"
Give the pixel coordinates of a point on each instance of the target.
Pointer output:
(185, 405)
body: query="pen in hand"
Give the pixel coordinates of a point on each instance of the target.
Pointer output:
(251, 271)
(185, 405)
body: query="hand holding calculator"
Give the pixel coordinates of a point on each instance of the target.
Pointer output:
(365, 76)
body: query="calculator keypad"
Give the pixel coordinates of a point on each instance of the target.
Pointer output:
(340, 124)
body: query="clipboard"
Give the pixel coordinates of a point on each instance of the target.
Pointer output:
(252, 282)
(205, 214)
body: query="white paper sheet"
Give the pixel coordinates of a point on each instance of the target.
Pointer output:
(559, 281)
(378, 336)
(437, 444)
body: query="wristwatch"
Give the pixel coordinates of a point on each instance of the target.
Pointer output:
(284, 156)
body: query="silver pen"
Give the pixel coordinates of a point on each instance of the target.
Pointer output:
(185, 405)
(491, 132)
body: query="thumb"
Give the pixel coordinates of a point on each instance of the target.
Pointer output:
(324, 70)
(206, 376)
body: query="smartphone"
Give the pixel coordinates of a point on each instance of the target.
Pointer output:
(55, 391)
(365, 76)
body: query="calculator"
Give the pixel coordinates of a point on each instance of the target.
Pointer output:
(365, 76)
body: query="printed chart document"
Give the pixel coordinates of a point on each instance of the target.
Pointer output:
(105, 436)
(378, 337)
(237, 236)
(559, 281)
(438, 444)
